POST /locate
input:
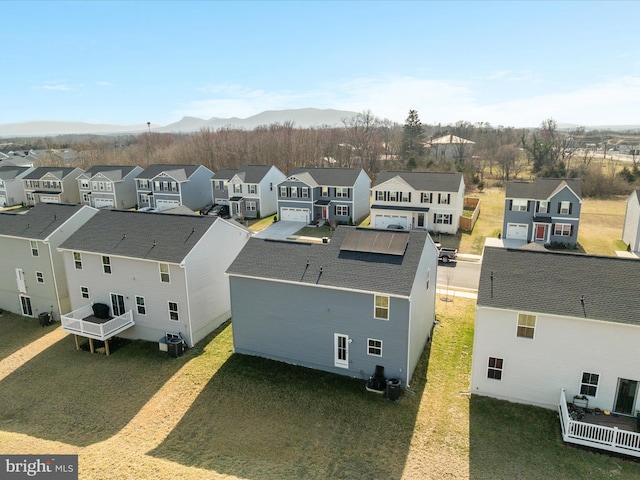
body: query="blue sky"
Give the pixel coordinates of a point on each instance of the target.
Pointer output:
(507, 63)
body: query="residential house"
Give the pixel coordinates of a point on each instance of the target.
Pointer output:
(33, 279)
(220, 185)
(109, 186)
(52, 185)
(157, 274)
(554, 327)
(249, 190)
(450, 147)
(324, 194)
(364, 299)
(11, 185)
(164, 186)
(631, 229)
(431, 201)
(546, 211)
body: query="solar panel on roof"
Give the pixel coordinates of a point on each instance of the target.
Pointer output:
(375, 241)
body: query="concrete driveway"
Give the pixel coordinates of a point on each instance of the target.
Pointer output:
(280, 230)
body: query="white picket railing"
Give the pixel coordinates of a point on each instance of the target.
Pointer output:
(74, 322)
(612, 439)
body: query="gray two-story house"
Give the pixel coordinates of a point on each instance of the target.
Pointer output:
(52, 185)
(249, 190)
(157, 274)
(109, 186)
(545, 211)
(11, 185)
(364, 299)
(324, 194)
(33, 277)
(163, 186)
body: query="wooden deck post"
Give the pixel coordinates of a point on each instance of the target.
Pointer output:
(91, 344)
(77, 344)
(106, 347)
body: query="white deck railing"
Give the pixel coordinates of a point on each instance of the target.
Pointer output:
(74, 322)
(597, 436)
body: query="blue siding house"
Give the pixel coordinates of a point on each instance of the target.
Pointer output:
(545, 211)
(324, 194)
(364, 299)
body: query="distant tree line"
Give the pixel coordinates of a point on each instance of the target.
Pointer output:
(498, 153)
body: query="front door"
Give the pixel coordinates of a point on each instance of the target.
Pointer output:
(117, 304)
(540, 233)
(25, 304)
(626, 396)
(421, 220)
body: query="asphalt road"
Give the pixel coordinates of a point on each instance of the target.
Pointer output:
(460, 274)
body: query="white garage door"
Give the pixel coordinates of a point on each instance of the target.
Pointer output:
(383, 221)
(47, 199)
(294, 214)
(517, 231)
(103, 202)
(166, 204)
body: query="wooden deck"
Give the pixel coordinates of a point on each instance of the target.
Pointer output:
(623, 422)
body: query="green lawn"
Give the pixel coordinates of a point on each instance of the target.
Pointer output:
(214, 414)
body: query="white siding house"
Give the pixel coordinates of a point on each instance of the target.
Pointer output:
(431, 201)
(631, 229)
(160, 273)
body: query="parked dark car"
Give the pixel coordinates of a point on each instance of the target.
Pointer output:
(217, 210)
(395, 227)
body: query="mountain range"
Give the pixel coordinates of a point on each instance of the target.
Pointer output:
(300, 118)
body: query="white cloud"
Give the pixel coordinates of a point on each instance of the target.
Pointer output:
(615, 101)
(57, 86)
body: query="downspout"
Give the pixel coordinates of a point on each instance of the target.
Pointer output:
(55, 281)
(189, 324)
(406, 372)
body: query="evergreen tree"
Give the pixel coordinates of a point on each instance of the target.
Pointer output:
(412, 150)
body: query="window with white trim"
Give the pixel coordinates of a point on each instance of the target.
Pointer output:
(84, 292)
(143, 183)
(34, 248)
(77, 260)
(381, 307)
(164, 273)
(283, 192)
(565, 208)
(324, 192)
(589, 384)
(342, 210)
(305, 192)
(39, 277)
(141, 308)
(543, 206)
(519, 205)
(374, 347)
(562, 230)
(526, 325)
(294, 192)
(252, 189)
(237, 188)
(494, 370)
(106, 264)
(442, 218)
(342, 192)
(173, 311)
(426, 197)
(84, 184)
(444, 198)
(250, 206)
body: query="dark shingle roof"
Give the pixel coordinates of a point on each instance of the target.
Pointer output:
(554, 283)
(151, 236)
(58, 172)
(252, 173)
(10, 172)
(225, 174)
(425, 181)
(153, 170)
(38, 222)
(125, 170)
(331, 177)
(541, 188)
(301, 262)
